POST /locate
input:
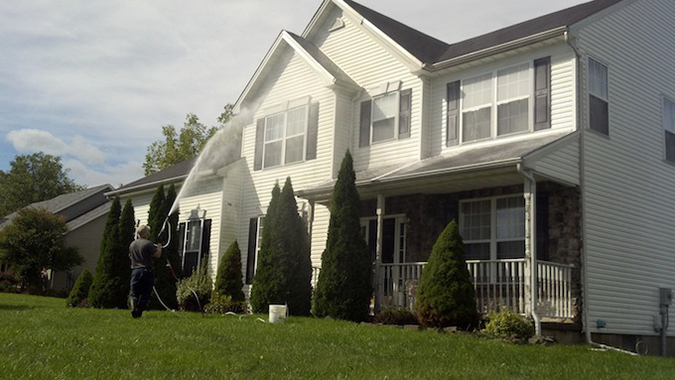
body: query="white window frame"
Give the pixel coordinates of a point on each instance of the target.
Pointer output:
(284, 138)
(493, 240)
(496, 103)
(396, 116)
(667, 123)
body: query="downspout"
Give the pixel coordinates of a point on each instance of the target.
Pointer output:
(582, 165)
(530, 193)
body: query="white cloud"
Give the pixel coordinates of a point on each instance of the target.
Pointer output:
(35, 140)
(115, 175)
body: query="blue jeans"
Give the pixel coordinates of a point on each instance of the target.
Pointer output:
(142, 281)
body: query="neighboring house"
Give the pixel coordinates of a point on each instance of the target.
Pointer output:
(550, 141)
(85, 213)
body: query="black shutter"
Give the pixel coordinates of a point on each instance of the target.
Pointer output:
(364, 135)
(452, 132)
(181, 243)
(405, 105)
(542, 93)
(252, 242)
(312, 131)
(259, 141)
(206, 239)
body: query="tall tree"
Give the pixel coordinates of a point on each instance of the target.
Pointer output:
(109, 289)
(445, 295)
(127, 227)
(33, 178)
(34, 241)
(344, 288)
(179, 146)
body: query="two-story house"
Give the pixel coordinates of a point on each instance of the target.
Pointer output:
(551, 142)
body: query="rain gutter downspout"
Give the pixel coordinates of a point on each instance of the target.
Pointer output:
(582, 165)
(530, 192)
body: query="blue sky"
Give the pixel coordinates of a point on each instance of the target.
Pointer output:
(94, 81)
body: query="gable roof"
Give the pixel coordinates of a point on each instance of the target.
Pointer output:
(177, 172)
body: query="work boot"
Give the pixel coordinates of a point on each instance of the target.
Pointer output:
(135, 313)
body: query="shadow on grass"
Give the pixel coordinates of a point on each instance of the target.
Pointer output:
(14, 307)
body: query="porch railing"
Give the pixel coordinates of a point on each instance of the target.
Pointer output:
(497, 284)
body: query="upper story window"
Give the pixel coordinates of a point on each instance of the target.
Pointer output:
(499, 103)
(385, 117)
(598, 97)
(287, 137)
(493, 228)
(668, 120)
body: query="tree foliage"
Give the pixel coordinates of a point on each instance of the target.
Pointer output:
(284, 271)
(178, 146)
(35, 241)
(229, 277)
(110, 288)
(33, 178)
(445, 295)
(344, 288)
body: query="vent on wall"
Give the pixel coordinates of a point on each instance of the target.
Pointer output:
(338, 24)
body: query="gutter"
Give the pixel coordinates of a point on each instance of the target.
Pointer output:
(521, 42)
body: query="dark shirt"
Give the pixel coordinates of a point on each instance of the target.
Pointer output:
(140, 253)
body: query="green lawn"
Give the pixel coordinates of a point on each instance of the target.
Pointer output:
(42, 339)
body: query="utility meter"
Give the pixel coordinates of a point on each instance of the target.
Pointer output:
(665, 296)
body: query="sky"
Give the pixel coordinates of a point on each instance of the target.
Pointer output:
(94, 81)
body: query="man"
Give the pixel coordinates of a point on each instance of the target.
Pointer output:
(141, 252)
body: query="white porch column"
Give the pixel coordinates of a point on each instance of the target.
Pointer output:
(530, 194)
(379, 285)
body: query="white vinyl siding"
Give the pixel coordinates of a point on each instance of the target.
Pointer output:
(628, 206)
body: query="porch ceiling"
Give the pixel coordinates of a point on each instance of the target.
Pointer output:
(464, 168)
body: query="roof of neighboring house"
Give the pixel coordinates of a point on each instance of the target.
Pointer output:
(176, 172)
(65, 204)
(431, 50)
(88, 217)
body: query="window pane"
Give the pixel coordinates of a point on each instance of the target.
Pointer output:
(511, 218)
(599, 115)
(296, 121)
(384, 107)
(477, 91)
(194, 236)
(511, 249)
(383, 130)
(475, 220)
(513, 117)
(274, 127)
(294, 149)
(476, 124)
(668, 115)
(597, 79)
(513, 82)
(477, 251)
(273, 154)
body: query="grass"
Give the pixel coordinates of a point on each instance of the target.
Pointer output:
(42, 339)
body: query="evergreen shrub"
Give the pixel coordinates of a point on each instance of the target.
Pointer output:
(396, 316)
(78, 295)
(201, 284)
(221, 304)
(229, 277)
(508, 325)
(445, 295)
(9, 283)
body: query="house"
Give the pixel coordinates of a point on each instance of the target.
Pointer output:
(85, 213)
(550, 141)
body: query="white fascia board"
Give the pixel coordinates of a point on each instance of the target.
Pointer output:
(315, 19)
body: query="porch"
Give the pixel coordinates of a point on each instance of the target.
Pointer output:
(497, 283)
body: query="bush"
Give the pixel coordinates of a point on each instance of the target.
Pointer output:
(396, 316)
(221, 304)
(228, 278)
(80, 290)
(9, 283)
(445, 295)
(508, 325)
(200, 283)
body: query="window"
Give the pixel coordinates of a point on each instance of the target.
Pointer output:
(598, 97)
(668, 120)
(499, 103)
(193, 243)
(287, 137)
(493, 228)
(385, 117)
(254, 240)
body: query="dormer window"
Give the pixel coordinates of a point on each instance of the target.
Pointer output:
(386, 116)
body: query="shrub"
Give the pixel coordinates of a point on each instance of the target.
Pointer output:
(9, 283)
(80, 290)
(396, 316)
(508, 325)
(445, 295)
(228, 279)
(200, 283)
(221, 304)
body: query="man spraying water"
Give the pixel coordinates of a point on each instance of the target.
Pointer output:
(141, 252)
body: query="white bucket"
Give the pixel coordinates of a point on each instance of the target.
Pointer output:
(277, 313)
